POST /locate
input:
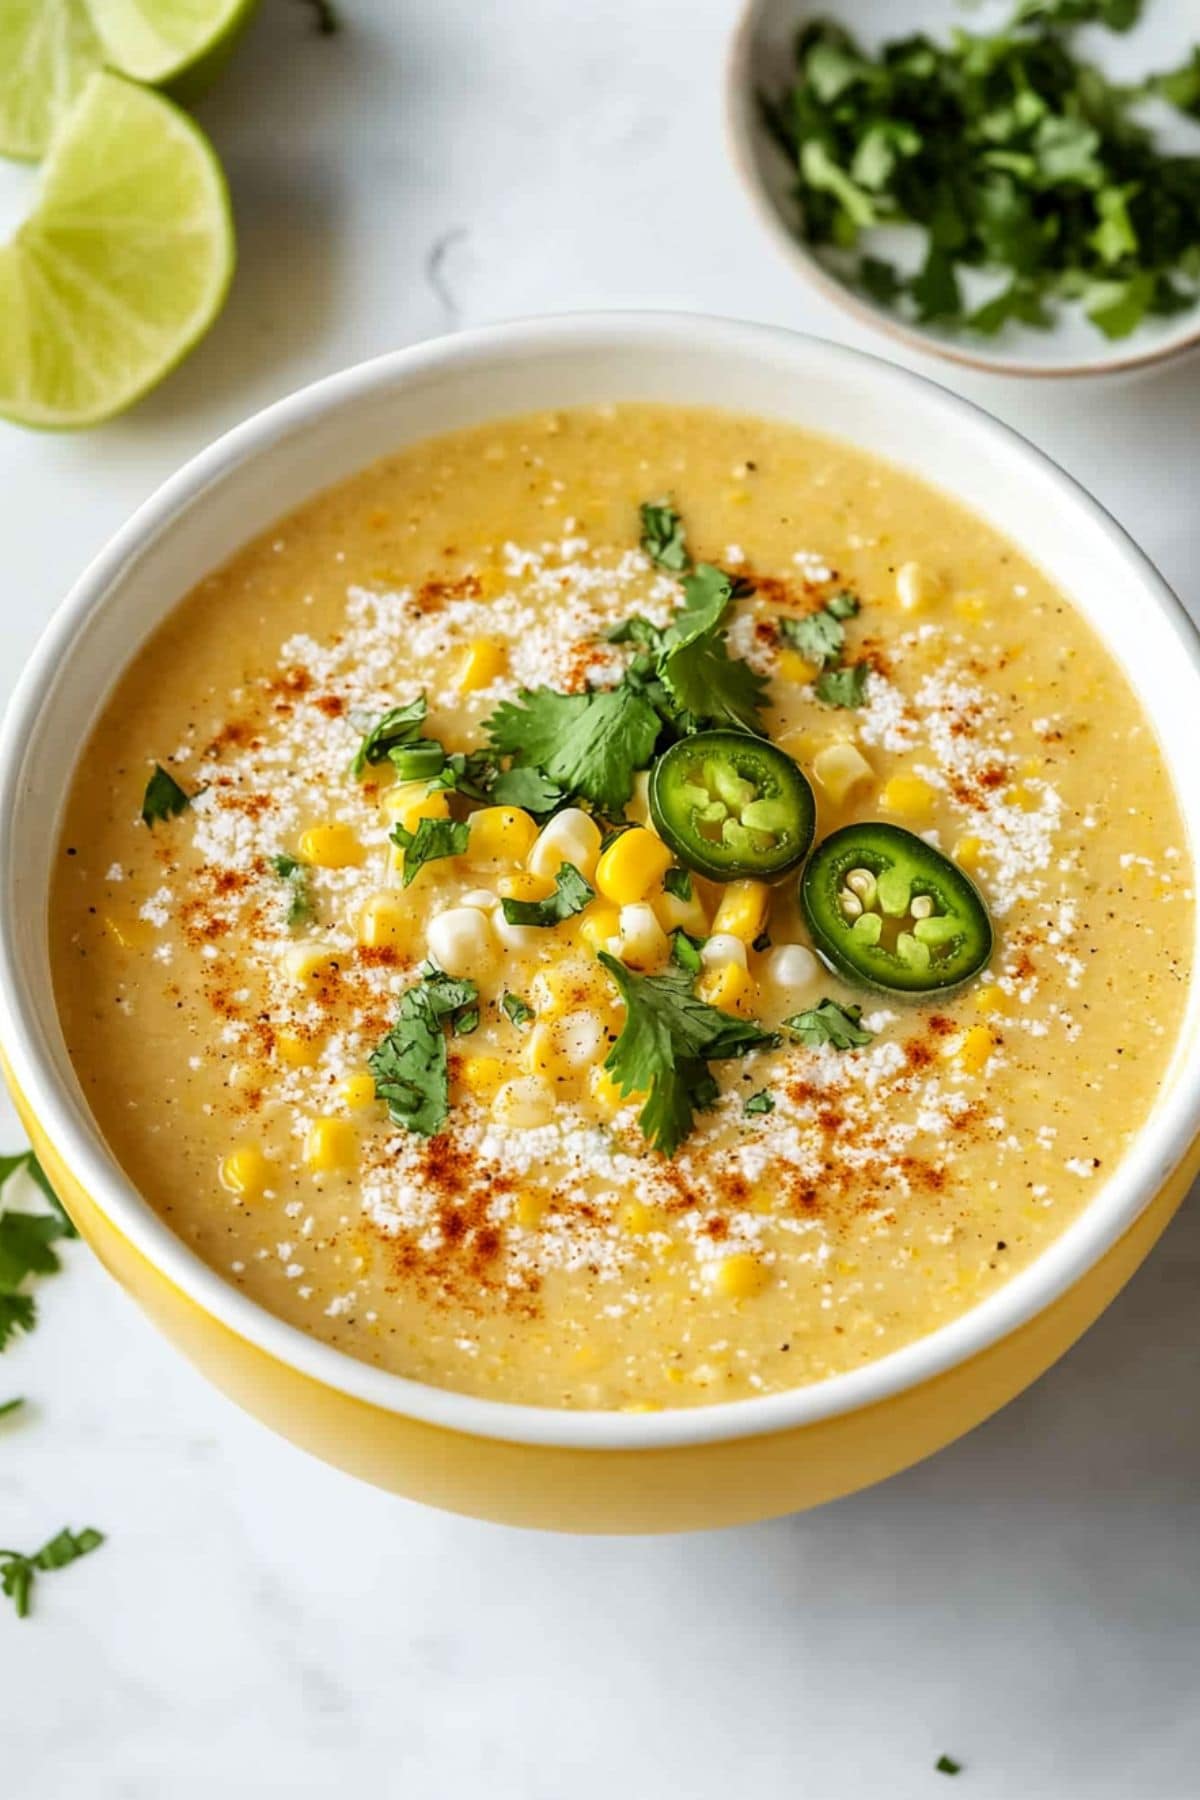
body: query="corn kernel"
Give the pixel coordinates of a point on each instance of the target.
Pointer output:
(743, 910)
(598, 923)
(559, 1048)
(636, 1219)
(524, 1103)
(992, 999)
(968, 851)
(522, 885)
(632, 865)
(330, 847)
(245, 1172)
(384, 923)
(329, 1144)
(606, 1094)
(970, 606)
(909, 796)
(839, 769)
(722, 948)
(737, 1277)
(974, 1048)
(1023, 798)
(639, 805)
(412, 801)
(297, 1052)
(500, 831)
(674, 914)
(729, 988)
(917, 587)
(357, 1090)
(570, 836)
(641, 940)
(312, 967)
(791, 666)
(460, 941)
(792, 971)
(485, 660)
(531, 1208)
(481, 1075)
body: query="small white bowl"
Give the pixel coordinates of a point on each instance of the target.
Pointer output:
(761, 61)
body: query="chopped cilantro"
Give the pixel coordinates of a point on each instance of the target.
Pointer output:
(1007, 153)
(667, 1041)
(466, 1021)
(400, 726)
(678, 883)
(17, 1571)
(300, 909)
(164, 798)
(430, 842)
(829, 1023)
(663, 537)
(946, 1765)
(479, 776)
(843, 604)
(843, 687)
(762, 941)
(26, 1246)
(685, 950)
(10, 1406)
(571, 894)
(518, 1011)
(410, 1065)
(818, 636)
(762, 1102)
(590, 744)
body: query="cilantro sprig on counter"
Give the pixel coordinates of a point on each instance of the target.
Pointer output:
(27, 1242)
(668, 1039)
(411, 1065)
(1010, 155)
(18, 1570)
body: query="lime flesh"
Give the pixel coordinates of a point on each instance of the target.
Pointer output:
(48, 48)
(121, 266)
(157, 40)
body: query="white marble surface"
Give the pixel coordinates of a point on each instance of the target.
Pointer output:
(260, 1625)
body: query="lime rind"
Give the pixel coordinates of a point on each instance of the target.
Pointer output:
(122, 265)
(157, 41)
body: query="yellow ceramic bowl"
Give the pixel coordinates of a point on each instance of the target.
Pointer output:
(526, 1465)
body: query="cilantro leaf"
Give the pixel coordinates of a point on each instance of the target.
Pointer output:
(17, 1570)
(571, 894)
(829, 1023)
(530, 789)
(668, 1038)
(430, 842)
(17, 1313)
(678, 883)
(695, 667)
(946, 1765)
(411, 1065)
(762, 1102)
(843, 604)
(590, 744)
(164, 798)
(26, 1246)
(818, 636)
(300, 908)
(398, 726)
(663, 537)
(843, 687)
(518, 1011)
(685, 950)
(27, 1161)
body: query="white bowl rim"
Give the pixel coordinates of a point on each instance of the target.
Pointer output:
(1158, 1150)
(742, 130)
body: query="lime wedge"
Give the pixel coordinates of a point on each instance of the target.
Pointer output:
(122, 264)
(48, 49)
(156, 40)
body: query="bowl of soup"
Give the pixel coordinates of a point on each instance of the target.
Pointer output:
(598, 917)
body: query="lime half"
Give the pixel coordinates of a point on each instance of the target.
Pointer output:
(48, 48)
(157, 40)
(122, 264)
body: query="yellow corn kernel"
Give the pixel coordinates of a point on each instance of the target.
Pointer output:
(330, 847)
(737, 496)
(411, 802)
(384, 923)
(908, 796)
(968, 851)
(522, 885)
(729, 987)
(674, 914)
(245, 1172)
(311, 966)
(481, 1075)
(357, 1090)
(567, 987)
(524, 1103)
(605, 1093)
(329, 1144)
(632, 865)
(636, 1219)
(840, 769)
(127, 930)
(791, 666)
(743, 910)
(1023, 798)
(970, 606)
(974, 1048)
(484, 661)
(737, 1277)
(297, 1052)
(500, 831)
(598, 923)
(992, 999)
(531, 1208)
(917, 587)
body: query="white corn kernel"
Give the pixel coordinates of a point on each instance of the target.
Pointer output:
(524, 1102)
(839, 769)
(792, 971)
(723, 949)
(516, 937)
(570, 836)
(641, 940)
(917, 586)
(460, 941)
(482, 899)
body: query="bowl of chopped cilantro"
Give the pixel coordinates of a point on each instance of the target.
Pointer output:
(1014, 186)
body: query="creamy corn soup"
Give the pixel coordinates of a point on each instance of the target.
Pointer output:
(395, 1026)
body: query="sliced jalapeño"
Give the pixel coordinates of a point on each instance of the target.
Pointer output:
(888, 910)
(732, 805)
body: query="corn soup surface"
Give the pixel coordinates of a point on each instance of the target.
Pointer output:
(225, 973)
